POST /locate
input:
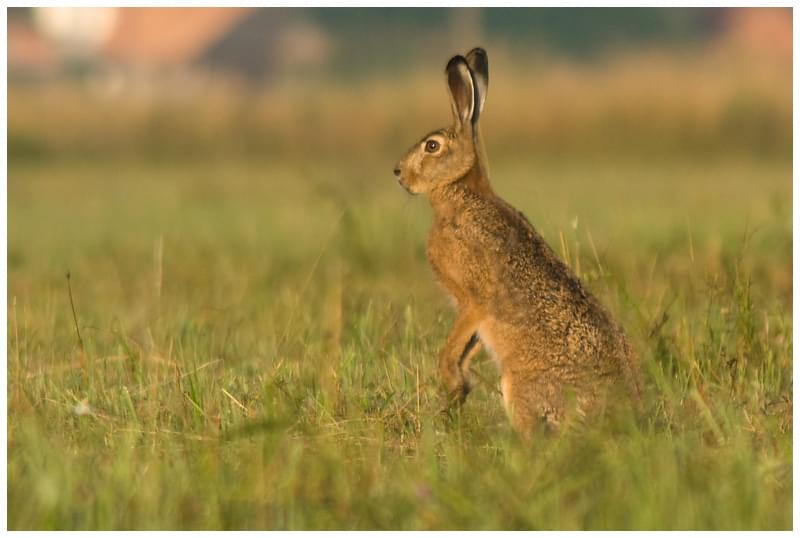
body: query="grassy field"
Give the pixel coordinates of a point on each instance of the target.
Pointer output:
(260, 338)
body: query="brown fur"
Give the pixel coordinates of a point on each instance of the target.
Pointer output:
(557, 347)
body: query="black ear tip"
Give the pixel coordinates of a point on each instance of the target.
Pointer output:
(454, 61)
(478, 59)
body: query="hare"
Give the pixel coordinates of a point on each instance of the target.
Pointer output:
(558, 349)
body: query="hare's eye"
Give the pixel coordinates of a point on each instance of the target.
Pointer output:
(431, 146)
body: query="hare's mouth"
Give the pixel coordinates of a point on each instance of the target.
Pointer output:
(398, 175)
(405, 186)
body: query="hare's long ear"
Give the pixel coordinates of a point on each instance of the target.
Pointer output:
(478, 63)
(462, 90)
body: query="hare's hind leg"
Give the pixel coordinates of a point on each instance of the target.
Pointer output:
(530, 404)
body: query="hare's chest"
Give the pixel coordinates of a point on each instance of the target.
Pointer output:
(452, 257)
(447, 247)
(439, 251)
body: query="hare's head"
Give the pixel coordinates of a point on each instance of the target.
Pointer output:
(447, 155)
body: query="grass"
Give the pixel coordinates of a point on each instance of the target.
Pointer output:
(260, 344)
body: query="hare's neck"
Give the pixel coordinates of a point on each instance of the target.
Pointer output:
(452, 199)
(482, 179)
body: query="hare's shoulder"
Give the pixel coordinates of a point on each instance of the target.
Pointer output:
(498, 225)
(529, 265)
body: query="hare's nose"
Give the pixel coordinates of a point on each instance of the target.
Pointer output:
(397, 171)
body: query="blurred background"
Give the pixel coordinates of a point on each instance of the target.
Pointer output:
(284, 82)
(218, 183)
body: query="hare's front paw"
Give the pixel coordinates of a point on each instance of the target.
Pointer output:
(456, 391)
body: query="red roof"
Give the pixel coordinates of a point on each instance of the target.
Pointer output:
(169, 36)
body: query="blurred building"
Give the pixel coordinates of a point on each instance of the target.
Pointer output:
(149, 38)
(761, 32)
(261, 43)
(28, 51)
(247, 42)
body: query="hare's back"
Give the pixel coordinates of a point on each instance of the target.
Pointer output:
(525, 272)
